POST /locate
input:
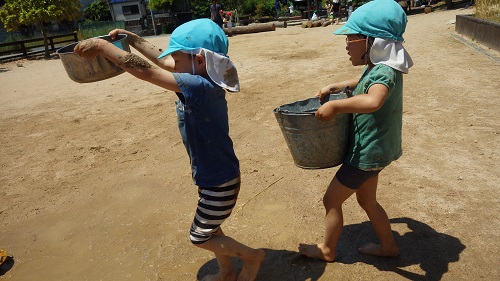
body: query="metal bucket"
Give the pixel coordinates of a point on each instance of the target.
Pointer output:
(85, 70)
(314, 144)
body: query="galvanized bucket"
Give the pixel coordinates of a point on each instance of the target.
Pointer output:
(314, 144)
(86, 70)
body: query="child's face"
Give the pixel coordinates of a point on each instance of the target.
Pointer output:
(187, 63)
(356, 48)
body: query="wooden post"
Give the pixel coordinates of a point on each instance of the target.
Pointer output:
(308, 10)
(252, 28)
(327, 22)
(51, 43)
(281, 24)
(318, 23)
(23, 48)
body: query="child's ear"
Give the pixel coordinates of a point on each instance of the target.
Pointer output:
(200, 60)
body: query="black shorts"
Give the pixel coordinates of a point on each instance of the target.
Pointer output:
(353, 177)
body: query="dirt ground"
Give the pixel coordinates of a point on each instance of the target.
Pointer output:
(95, 182)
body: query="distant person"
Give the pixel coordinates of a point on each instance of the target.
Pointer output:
(328, 7)
(336, 10)
(349, 8)
(228, 20)
(195, 66)
(374, 38)
(216, 13)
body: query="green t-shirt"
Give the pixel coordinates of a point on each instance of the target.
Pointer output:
(375, 138)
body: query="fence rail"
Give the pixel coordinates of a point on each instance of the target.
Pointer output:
(22, 49)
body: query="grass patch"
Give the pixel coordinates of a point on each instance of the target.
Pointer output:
(488, 10)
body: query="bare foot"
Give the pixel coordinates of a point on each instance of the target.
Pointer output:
(316, 252)
(251, 267)
(373, 249)
(231, 276)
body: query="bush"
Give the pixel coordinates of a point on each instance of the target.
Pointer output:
(258, 8)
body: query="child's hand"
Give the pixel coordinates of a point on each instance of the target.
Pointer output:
(326, 112)
(325, 91)
(113, 33)
(330, 89)
(89, 48)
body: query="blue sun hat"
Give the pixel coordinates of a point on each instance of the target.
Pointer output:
(203, 36)
(196, 34)
(378, 19)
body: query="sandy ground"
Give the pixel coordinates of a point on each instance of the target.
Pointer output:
(95, 183)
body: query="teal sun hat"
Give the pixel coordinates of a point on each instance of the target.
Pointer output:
(203, 36)
(378, 19)
(196, 34)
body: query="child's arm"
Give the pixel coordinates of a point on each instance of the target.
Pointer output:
(337, 87)
(129, 62)
(366, 103)
(150, 51)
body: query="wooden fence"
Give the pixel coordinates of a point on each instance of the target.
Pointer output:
(25, 48)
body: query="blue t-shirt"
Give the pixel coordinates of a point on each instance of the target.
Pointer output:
(204, 127)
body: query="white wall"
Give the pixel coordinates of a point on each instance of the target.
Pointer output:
(118, 11)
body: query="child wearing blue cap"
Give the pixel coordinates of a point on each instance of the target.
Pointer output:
(374, 38)
(195, 66)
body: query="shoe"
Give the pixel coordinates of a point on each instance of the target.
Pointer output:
(3, 256)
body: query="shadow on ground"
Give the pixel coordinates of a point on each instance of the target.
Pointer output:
(6, 265)
(420, 245)
(278, 265)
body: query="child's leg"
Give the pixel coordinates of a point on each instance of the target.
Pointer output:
(226, 270)
(224, 247)
(215, 205)
(367, 199)
(335, 195)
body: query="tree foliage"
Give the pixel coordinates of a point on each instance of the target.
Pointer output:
(201, 8)
(97, 11)
(161, 5)
(26, 12)
(258, 8)
(16, 13)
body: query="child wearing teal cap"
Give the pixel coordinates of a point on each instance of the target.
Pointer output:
(195, 66)
(374, 38)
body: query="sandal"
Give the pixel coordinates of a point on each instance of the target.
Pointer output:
(3, 256)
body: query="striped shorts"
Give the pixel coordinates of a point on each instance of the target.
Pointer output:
(215, 205)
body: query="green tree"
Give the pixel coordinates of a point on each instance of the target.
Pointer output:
(161, 5)
(201, 8)
(97, 11)
(39, 12)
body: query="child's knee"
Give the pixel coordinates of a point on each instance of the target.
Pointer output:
(198, 240)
